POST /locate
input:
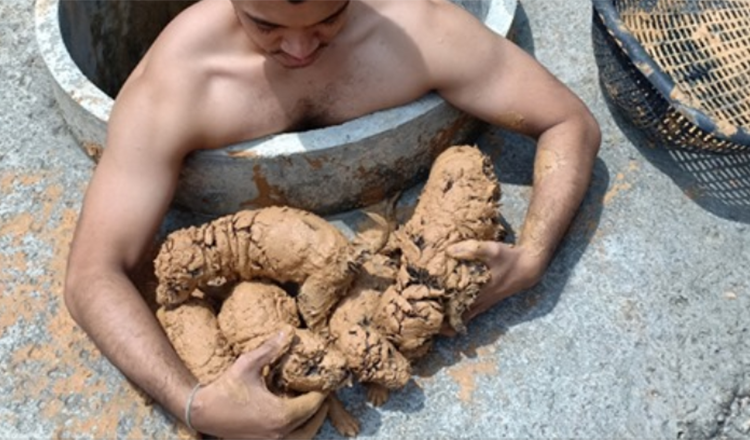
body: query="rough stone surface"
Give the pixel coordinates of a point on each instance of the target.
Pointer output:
(638, 330)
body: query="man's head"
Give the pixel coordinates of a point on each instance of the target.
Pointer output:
(292, 32)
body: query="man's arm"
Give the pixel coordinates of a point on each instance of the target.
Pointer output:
(152, 127)
(125, 201)
(491, 78)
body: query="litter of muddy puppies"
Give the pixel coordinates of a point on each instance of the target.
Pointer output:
(349, 312)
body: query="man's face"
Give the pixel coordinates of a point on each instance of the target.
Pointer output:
(293, 34)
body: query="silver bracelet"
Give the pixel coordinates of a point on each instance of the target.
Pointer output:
(189, 404)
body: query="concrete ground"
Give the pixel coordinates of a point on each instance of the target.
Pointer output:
(638, 330)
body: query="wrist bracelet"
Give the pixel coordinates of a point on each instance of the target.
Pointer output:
(189, 404)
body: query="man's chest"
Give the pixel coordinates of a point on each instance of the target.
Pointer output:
(329, 101)
(306, 100)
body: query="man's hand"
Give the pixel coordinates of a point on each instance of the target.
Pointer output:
(238, 404)
(512, 269)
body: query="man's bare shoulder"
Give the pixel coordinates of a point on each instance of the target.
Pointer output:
(441, 33)
(417, 16)
(183, 78)
(199, 35)
(433, 26)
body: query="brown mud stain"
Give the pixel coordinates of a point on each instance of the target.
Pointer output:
(248, 153)
(470, 351)
(512, 121)
(268, 195)
(315, 163)
(620, 184)
(466, 374)
(617, 187)
(445, 137)
(93, 150)
(547, 163)
(59, 365)
(372, 195)
(726, 128)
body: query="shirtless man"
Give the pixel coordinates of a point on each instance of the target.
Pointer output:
(225, 71)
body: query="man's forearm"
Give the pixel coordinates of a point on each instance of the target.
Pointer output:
(112, 312)
(562, 173)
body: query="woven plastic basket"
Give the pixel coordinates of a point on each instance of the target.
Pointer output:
(678, 69)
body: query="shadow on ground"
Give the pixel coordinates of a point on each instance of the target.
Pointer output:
(520, 30)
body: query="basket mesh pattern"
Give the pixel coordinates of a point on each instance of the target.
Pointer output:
(704, 46)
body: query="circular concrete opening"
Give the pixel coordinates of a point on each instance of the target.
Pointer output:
(91, 46)
(106, 39)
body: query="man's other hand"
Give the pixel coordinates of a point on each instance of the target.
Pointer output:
(238, 404)
(512, 269)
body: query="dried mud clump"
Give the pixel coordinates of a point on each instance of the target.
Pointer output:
(411, 317)
(404, 295)
(459, 202)
(282, 244)
(371, 357)
(254, 312)
(221, 290)
(350, 316)
(194, 332)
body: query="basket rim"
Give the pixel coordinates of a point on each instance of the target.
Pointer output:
(660, 80)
